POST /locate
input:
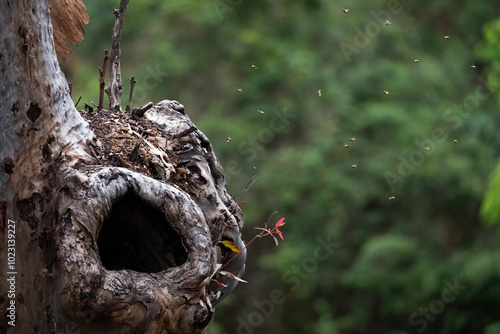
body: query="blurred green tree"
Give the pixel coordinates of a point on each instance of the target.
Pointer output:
(406, 219)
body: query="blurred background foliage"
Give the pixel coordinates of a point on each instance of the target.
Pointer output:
(396, 245)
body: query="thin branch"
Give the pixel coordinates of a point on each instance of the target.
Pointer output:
(102, 75)
(132, 84)
(139, 112)
(115, 88)
(76, 104)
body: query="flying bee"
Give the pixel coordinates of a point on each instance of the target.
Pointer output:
(427, 148)
(354, 166)
(352, 139)
(473, 66)
(455, 141)
(254, 66)
(416, 61)
(346, 146)
(386, 92)
(319, 92)
(345, 10)
(387, 22)
(228, 139)
(261, 112)
(392, 197)
(446, 37)
(239, 90)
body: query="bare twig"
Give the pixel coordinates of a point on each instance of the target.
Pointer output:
(139, 112)
(115, 88)
(102, 74)
(88, 107)
(132, 84)
(76, 104)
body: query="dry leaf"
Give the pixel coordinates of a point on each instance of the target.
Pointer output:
(68, 19)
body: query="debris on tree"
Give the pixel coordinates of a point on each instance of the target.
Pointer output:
(68, 19)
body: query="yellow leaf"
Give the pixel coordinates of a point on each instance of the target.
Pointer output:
(231, 246)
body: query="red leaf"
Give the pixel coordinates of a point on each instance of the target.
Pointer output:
(281, 222)
(221, 284)
(231, 246)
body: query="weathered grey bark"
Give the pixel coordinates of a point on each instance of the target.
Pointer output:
(101, 249)
(115, 88)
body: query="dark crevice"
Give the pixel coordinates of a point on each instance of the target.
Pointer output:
(138, 237)
(34, 112)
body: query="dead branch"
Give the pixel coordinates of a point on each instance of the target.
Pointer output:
(139, 111)
(102, 75)
(132, 84)
(115, 88)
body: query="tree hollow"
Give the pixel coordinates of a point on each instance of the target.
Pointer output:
(138, 237)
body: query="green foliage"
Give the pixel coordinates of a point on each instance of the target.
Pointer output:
(490, 209)
(392, 256)
(489, 50)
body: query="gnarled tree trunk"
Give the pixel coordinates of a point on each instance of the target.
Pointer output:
(100, 248)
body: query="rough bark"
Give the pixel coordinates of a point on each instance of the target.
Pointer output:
(99, 248)
(115, 88)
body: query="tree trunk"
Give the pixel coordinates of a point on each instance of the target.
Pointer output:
(100, 248)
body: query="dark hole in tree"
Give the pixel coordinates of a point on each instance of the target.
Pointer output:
(137, 236)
